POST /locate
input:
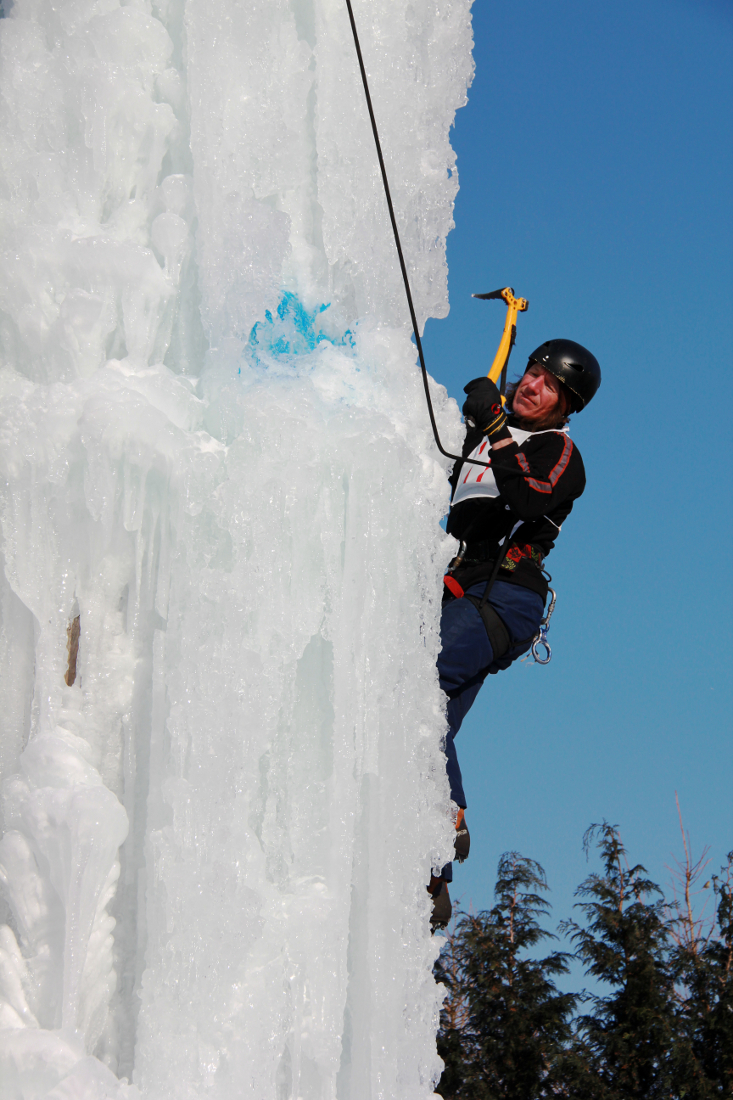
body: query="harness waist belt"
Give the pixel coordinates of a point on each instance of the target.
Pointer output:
(487, 551)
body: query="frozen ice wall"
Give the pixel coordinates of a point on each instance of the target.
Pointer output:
(223, 784)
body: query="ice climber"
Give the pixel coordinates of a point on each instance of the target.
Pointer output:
(535, 476)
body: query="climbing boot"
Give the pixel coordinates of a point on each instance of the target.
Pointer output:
(462, 843)
(442, 909)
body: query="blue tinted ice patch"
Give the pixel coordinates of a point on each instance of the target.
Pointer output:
(292, 331)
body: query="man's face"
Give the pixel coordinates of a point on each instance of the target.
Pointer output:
(537, 395)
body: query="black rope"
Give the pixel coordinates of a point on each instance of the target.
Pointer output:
(398, 243)
(500, 559)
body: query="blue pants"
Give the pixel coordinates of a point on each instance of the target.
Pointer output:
(466, 658)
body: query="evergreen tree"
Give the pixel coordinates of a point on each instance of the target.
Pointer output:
(702, 964)
(452, 1035)
(505, 1023)
(663, 1029)
(716, 1040)
(628, 1037)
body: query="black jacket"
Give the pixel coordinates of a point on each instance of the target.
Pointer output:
(538, 482)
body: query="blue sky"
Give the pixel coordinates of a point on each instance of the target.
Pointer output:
(595, 171)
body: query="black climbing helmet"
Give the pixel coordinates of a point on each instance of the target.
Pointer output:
(574, 365)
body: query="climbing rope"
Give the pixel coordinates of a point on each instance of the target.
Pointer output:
(398, 243)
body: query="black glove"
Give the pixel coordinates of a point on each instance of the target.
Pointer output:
(483, 409)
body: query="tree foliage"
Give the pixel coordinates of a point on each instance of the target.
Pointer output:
(505, 1022)
(701, 963)
(661, 1025)
(623, 944)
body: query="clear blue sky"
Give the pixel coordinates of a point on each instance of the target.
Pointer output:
(595, 178)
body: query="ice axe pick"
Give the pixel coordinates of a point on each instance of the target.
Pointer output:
(509, 335)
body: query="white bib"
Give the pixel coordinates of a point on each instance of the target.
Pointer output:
(479, 481)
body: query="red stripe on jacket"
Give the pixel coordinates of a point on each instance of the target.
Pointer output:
(555, 473)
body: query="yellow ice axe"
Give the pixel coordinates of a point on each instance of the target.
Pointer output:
(509, 335)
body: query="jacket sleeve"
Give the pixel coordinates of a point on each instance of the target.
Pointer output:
(537, 477)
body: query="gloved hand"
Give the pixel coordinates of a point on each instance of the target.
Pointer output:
(483, 409)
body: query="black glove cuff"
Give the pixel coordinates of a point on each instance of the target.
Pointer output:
(502, 433)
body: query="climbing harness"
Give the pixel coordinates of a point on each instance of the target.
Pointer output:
(540, 638)
(499, 637)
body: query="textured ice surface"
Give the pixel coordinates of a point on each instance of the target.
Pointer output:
(219, 814)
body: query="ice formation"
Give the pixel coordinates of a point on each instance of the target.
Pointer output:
(223, 783)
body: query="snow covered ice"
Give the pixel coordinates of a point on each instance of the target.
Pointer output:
(220, 813)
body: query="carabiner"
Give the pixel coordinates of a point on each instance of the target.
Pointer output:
(541, 639)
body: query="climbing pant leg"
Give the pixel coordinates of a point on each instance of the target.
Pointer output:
(463, 659)
(466, 659)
